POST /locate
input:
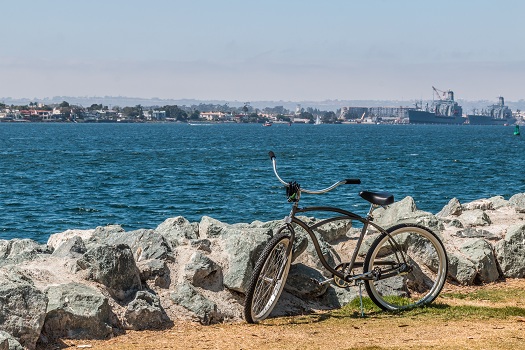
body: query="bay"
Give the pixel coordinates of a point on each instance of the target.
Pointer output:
(56, 177)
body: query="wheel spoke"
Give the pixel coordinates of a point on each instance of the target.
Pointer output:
(268, 280)
(422, 252)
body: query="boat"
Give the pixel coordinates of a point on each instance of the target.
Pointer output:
(318, 121)
(442, 111)
(497, 114)
(267, 124)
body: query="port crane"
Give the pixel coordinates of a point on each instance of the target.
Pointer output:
(439, 93)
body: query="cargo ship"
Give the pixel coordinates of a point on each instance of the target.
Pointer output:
(444, 110)
(497, 114)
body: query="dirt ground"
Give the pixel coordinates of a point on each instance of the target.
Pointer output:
(332, 332)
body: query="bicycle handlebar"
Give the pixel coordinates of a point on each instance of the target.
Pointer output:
(342, 182)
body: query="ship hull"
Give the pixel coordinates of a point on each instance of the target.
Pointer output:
(424, 117)
(488, 120)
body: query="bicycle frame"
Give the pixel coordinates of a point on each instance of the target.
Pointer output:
(346, 215)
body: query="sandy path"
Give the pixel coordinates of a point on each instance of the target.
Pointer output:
(331, 332)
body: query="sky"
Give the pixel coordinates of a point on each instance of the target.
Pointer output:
(244, 50)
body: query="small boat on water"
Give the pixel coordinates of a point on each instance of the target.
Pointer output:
(267, 124)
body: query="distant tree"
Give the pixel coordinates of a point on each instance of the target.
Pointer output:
(246, 108)
(130, 112)
(329, 118)
(140, 111)
(283, 118)
(275, 110)
(95, 107)
(195, 115)
(175, 112)
(63, 104)
(307, 115)
(252, 118)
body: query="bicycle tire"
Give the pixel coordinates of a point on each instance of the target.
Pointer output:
(428, 263)
(268, 278)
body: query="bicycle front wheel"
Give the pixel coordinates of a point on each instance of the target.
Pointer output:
(268, 278)
(409, 267)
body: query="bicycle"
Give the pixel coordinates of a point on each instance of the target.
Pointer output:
(405, 267)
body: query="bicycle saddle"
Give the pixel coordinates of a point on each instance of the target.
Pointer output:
(379, 198)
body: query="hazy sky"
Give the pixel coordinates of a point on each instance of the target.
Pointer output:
(292, 50)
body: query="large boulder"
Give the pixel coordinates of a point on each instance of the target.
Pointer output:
(471, 232)
(211, 228)
(475, 217)
(145, 244)
(243, 249)
(101, 234)
(203, 309)
(498, 202)
(156, 271)
(305, 282)
(22, 307)
(77, 311)
(510, 252)
(480, 253)
(201, 271)
(146, 312)
(480, 204)
(178, 231)
(404, 211)
(453, 208)
(114, 267)
(460, 268)
(334, 231)
(518, 202)
(56, 239)
(240, 246)
(17, 250)
(72, 248)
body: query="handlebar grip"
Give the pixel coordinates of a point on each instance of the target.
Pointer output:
(352, 181)
(272, 155)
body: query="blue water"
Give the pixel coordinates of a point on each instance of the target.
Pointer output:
(56, 177)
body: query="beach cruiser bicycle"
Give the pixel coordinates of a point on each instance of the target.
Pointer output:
(405, 266)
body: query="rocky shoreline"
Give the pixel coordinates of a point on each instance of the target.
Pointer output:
(98, 283)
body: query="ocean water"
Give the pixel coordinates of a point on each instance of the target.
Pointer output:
(56, 177)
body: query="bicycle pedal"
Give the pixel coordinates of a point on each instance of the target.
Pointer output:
(322, 283)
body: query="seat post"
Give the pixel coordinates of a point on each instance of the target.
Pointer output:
(373, 207)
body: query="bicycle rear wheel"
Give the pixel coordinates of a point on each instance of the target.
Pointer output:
(413, 281)
(269, 277)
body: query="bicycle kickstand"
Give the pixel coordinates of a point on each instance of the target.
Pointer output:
(360, 284)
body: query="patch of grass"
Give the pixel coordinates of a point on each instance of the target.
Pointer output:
(353, 309)
(494, 295)
(459, 312)
(440, 310)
